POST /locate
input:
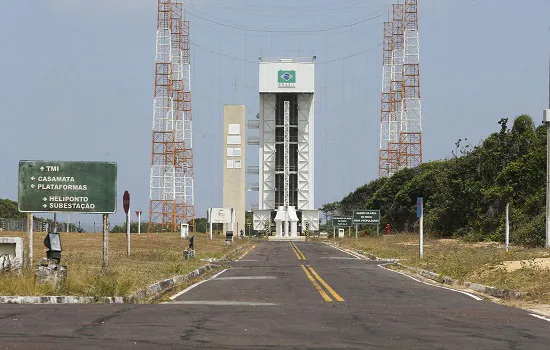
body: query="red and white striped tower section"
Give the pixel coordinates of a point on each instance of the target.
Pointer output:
(171, 187)
(410, 133)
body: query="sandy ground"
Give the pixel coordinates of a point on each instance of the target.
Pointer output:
(537, 263)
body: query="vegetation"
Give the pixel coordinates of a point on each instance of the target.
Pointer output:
(8, 210)
(465, 196)
(154, 257)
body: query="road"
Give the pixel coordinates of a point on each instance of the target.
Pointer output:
(282, 295)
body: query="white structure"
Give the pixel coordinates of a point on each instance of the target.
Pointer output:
(286, 146)
(234, 170)
(11, 253)
(224, 216)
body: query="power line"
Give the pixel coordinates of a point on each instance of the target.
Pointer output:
(322, 62)
(283, 30)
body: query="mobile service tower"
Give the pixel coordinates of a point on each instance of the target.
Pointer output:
(286, 147)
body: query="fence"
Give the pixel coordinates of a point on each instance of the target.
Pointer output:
(20, 225)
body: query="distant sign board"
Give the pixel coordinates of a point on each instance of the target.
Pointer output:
(419, 206)
(342, 221)
(366, 217)
(220, 215)
(73, 187)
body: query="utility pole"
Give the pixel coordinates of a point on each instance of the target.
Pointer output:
(546, 120)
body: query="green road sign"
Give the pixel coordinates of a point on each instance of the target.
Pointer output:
(366, 217)
(72, 187)
(342, 221)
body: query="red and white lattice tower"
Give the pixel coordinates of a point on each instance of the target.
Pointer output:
(171, 187)
(410, 133)
(401, 121)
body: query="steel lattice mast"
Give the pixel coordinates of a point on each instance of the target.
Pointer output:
(171, 187)
(410, 136)
(401, 122)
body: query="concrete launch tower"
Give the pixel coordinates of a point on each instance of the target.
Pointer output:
(286, 147)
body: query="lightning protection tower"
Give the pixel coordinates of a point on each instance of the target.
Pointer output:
(171, 199)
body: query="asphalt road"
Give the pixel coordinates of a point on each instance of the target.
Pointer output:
(282, 296)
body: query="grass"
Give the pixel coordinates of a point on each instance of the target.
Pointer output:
(473, 262)
(153, 257)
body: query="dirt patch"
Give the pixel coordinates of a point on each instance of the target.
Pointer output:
(543, 263)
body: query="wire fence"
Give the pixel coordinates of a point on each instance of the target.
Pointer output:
(20, 225)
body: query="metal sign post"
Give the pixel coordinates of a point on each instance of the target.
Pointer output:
(420, 214)
(126, 205)
(105, 262)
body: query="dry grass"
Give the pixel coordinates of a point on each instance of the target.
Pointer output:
(474, 262)
(153, 257)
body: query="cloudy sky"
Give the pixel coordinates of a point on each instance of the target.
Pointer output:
(78, 80)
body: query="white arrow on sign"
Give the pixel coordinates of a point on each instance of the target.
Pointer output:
(41, 168)
(32, 178)
(44, 199)
(32, 186)
(44, 206)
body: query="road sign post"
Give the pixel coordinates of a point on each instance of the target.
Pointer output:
(420, 214)
(341, 222)
(126, 205)
(69, 186)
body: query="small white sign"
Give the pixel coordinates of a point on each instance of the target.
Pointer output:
(230, 152)
(237, 164)
(237, 152)
(229, 164)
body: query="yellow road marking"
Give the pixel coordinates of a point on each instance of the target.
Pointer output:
(299, 251)
(295, 251)
(327, 287)
(316, 285)
(248, 251)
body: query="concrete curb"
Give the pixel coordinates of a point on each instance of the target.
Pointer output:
(480, 288)
(62, 299)
(135, 297)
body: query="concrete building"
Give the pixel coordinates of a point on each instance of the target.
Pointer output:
(234, 166)
(286, 147)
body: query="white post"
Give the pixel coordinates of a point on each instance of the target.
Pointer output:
(507, 226)
(128, 234)
(68, 221)
(547, 184)
(31, 237)
(356, 230)
(139, 223)
(105, 262)
(421, 232)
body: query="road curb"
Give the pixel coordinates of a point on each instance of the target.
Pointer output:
(134, 298)
(480, 288)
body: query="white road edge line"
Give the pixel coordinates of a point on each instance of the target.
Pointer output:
(433, 285)
(540, 317)
(357, 256)
(173, 297)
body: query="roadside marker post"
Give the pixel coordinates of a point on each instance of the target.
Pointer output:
(126, 205)
(138, 213)
(420, 214)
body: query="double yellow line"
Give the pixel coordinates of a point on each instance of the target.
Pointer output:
(315, 278)
(297, 251)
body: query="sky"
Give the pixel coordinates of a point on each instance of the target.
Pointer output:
(77, 81)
